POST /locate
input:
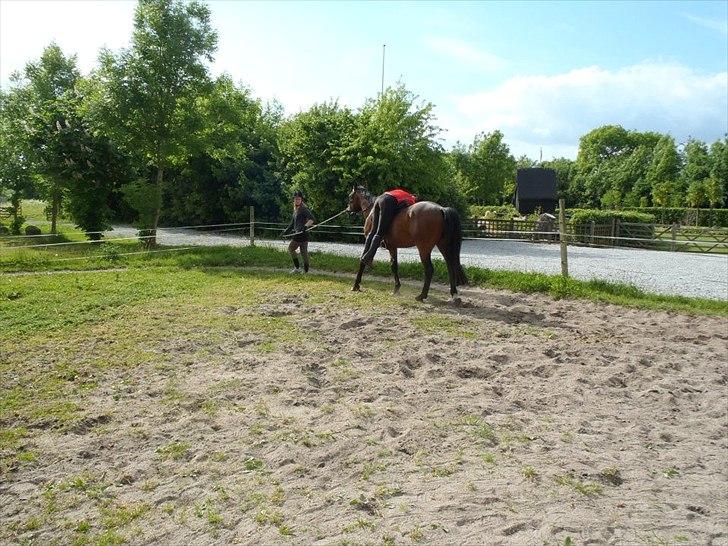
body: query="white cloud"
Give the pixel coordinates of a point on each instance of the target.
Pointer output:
(721, 25)
(556, 110)
(465, 53)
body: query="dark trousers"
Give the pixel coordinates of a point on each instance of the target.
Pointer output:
(383, 213)
(303, 245)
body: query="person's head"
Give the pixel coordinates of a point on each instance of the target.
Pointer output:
(297, 198)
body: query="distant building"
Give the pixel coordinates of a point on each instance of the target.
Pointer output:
(536, 189)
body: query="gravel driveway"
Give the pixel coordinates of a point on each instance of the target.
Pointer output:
(675, 273)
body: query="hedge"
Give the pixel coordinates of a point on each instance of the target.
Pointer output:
(586, 216)
(687, 216)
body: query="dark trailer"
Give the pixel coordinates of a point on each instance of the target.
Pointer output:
(536, 189)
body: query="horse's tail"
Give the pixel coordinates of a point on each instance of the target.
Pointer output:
(453, 232)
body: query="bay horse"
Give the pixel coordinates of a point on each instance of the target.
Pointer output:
(424, 225)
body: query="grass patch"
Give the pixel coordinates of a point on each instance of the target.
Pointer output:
(588, 489)
(206, 257)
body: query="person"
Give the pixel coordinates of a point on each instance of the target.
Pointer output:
(300, 222)
(385, 208)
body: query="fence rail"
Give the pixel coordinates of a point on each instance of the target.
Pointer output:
(623, 234)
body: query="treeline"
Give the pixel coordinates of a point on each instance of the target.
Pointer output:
(149, 136)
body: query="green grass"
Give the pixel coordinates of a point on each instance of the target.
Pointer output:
(202, 258)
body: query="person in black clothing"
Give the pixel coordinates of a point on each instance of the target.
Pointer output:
(300, 222)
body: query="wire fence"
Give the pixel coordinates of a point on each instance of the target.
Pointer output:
(616, 234)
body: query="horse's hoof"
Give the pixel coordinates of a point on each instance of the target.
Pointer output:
(355, 288)
(421, 298)
(456, 301)
(395, 292)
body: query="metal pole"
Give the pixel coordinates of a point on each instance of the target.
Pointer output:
(384, 46)
(562, 238)
(252, 225)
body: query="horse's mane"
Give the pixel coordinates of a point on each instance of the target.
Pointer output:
(365, 192)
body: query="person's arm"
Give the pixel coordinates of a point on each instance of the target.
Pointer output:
(310, 220)
(290, 226)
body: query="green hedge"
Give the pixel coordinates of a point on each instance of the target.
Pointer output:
(586, 216)
(505, 212)
(675, 215)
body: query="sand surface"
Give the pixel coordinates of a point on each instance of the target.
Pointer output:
(511, 419)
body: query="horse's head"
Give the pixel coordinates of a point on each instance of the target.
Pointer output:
(360, 200)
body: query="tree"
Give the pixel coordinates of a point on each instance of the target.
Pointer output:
(696, 195)
(718, 188)
(145, 97)
(234, 166)
(42, 93)
(395, 143)
(485, 169)
(14, 168)
(664, 167)
(564, 178)
(611, 157)
(313, 155)
(696, 168)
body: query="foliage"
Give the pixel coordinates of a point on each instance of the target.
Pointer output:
(235, 165)
(586, 216)
(679, 215)
(145, 97)
(40, 101)
(485, 171)
(500, 211)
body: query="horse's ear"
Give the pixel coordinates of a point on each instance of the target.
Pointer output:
(353, 188)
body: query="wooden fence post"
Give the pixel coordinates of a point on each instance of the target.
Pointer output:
(562, 238)
(591, 232)
(252, 225)
(673, 244)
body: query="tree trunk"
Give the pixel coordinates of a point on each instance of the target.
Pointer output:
(153, 232)
(55, 209)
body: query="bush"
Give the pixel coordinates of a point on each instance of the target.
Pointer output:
(681, 215)
(505, 212)
(32, 230)
(586, 216)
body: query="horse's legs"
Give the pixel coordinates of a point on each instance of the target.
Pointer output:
(395, 269)
(425, 257)
(451, 274)
(385, 210)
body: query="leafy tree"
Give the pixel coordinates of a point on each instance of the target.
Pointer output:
(564, 178)
(696, 195)
(14, 169)
(145, 97)
(718, 187)
(395, 144)
(42, 94)
(314, 156)
(664, 167)
(485, 169)
(234, 167)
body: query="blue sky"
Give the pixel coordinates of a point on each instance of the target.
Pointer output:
(544, 73)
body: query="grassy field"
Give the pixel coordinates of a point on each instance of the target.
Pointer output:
(186, 403)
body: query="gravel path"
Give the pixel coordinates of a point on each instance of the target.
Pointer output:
(674, 273)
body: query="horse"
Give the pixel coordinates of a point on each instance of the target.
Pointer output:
(424, 225)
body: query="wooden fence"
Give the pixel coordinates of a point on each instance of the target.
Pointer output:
(650, 236)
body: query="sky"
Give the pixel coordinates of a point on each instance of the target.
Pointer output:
(543, 73)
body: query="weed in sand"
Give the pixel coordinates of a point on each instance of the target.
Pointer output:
(363, 411)
(488, 458)
(671, 472)
(253, 464)
(120, 515)
(529, 473)
(588, 489)
(416, 534)
(174, 451)
(360, 523)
